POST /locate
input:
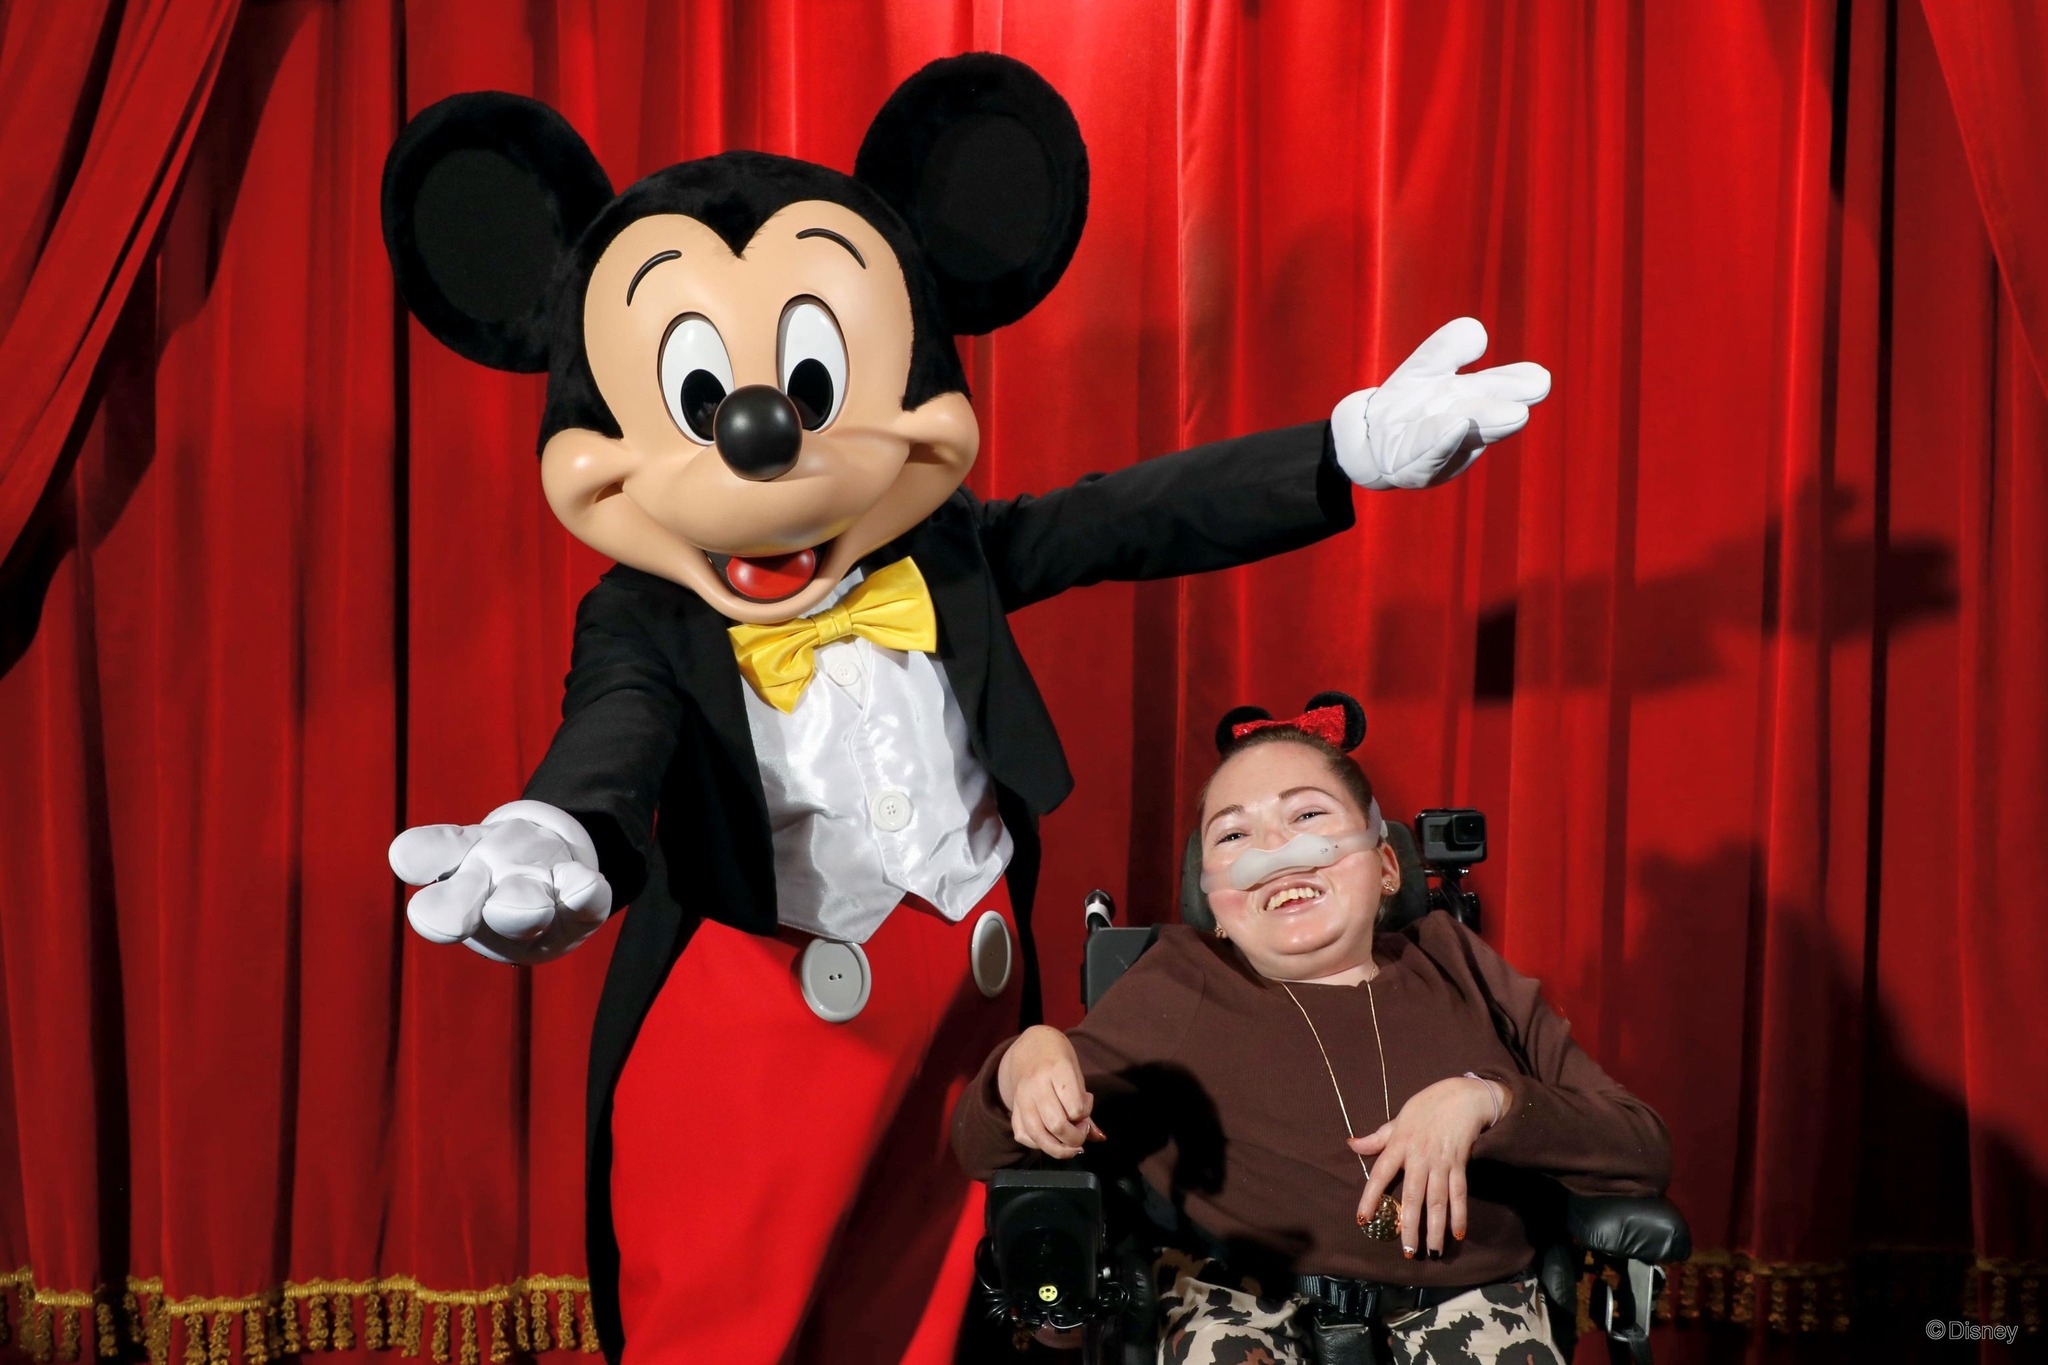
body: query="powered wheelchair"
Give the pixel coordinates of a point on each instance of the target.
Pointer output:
(1072, 1249)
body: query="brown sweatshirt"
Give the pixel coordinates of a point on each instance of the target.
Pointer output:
(1207, 1078)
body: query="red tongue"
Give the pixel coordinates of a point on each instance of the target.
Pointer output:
(771, 577)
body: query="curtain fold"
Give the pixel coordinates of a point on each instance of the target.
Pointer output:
(87, 228)
(1737, 644)
(1991, 52)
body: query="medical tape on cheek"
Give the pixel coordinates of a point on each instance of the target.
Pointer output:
(1302, 853)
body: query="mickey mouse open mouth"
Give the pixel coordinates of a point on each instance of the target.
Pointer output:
(767, 578)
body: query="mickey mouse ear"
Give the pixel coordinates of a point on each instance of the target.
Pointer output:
(484, 193)
(1354, 716)
(984, 161)
(1236, 716)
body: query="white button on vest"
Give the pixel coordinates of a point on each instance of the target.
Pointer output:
(835, 979)
(891, 811)
(843, 668)
(989, 951)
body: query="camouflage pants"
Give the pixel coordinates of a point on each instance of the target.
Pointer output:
(1204, 1323)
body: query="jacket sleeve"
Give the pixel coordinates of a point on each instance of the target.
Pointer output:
(1123, 1046)
(1564, 1117)
(1211, 507)
(621, 712)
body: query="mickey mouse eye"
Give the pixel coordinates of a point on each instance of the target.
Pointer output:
(811, 356)
(696, 375)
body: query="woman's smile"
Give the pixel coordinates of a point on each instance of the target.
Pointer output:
(1291, 895)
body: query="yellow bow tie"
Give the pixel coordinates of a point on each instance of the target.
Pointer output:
(892, 607)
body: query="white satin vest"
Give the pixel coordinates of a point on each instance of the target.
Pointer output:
(874, 792)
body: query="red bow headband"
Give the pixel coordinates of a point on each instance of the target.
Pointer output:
(1326, 723)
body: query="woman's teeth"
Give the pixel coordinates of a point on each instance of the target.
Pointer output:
(1291, 894)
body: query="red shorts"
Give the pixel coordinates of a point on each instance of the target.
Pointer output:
(783, 1188)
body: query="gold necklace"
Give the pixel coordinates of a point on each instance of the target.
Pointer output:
(1385, 1223)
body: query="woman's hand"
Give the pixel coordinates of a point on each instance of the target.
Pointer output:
(1428, 1144)
(1040, 1082)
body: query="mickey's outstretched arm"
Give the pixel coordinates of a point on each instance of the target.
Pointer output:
(1236, 501)
(622, 710)
(537, 876)
(1213, 506)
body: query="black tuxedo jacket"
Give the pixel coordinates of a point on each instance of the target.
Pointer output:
(654, 718)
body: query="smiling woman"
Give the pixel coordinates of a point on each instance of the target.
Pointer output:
(1328, 878)
(1277, 1046)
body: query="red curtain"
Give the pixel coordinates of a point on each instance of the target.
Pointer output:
(1990, 55)
(102, 104)
(1738, 644)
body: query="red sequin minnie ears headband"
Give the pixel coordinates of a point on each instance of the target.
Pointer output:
(1326, 723)
(1333, 717)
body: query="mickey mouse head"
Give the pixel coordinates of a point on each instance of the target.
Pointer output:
(752, 381)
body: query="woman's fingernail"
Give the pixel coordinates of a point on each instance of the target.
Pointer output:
(1408, 1253)
(1361, 1218)
(1435, 1255)
(1460, 1234)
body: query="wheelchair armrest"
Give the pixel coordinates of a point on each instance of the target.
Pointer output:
(1623, 1228)
(1637, 1237)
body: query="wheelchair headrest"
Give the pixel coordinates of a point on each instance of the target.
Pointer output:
(1409, 904)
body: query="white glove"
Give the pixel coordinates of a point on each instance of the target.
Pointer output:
(521, 887)
(1428, 423)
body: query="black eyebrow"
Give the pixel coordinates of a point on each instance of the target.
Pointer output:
(652, 261)
(830, 235)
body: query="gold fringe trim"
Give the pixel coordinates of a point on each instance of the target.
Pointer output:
(391, 1313)
(553, 1312)
(1800, 1297)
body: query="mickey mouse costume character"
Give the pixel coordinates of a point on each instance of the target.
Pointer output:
(801, 664)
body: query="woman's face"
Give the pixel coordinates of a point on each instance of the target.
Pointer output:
(1294, 926)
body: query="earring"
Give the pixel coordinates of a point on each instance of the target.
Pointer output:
(1388, 887)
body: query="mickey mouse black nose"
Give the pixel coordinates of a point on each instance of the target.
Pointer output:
(758, 432)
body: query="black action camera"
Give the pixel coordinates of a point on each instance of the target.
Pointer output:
(1450, 842)
(1451, 837)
